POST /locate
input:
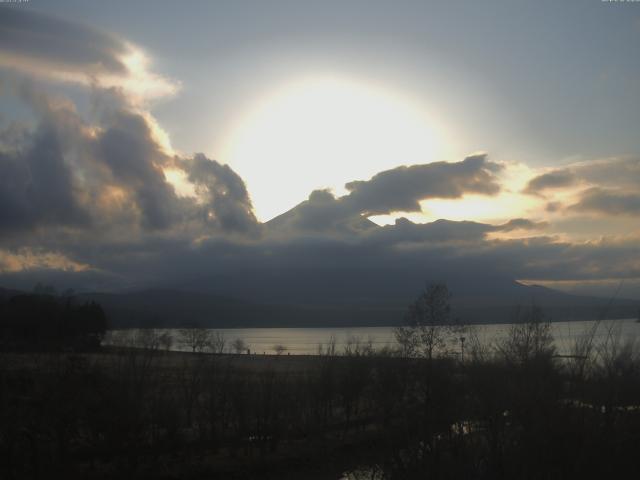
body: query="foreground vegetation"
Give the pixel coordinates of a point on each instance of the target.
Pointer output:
(147, 413)
(514, 410)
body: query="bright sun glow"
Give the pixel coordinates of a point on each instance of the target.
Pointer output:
(509, 203)
(478, 208)
(323, 133)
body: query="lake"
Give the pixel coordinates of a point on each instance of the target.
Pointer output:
(305, 341)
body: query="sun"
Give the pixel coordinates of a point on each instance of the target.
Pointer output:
(323, 132)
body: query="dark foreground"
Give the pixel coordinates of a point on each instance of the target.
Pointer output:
(134, 413)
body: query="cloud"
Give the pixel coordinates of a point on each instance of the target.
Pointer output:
(521, 224)
(28, 34)
(54, 48)
(444, 231)
(551, 180)
(90, 201)
(116, 221)
(549, 258)
(608, 202)
(605, 186)
(225, 194)
(136, 163)
(401, 189)
(395, 261)
(109, 177)
(616, 172)
(36, 185)
(375, 261)
(397, 190)
(440, 231)
(27, 259)
(90, 204)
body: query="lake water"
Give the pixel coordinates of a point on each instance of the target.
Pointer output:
(299, 341)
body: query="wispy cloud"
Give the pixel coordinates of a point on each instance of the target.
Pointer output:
(59, 50)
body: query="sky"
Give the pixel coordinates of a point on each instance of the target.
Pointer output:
(151, 139)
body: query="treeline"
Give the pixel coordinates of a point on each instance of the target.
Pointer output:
(45, 321)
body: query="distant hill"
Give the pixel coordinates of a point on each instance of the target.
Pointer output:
(175, 308)
(380, 296)
(295, 219)
(172, 308)
(344, 304)
(7, 293)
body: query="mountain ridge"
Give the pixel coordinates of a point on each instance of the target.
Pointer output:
(172, 308)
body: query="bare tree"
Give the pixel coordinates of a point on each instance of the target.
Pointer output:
(166, 340)
(478, 350)
(146, 338)
(196, 338)
(330, 350)
(355, 346)
(218, 342)
(429, 323)
(529, 337)
(239, 345)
